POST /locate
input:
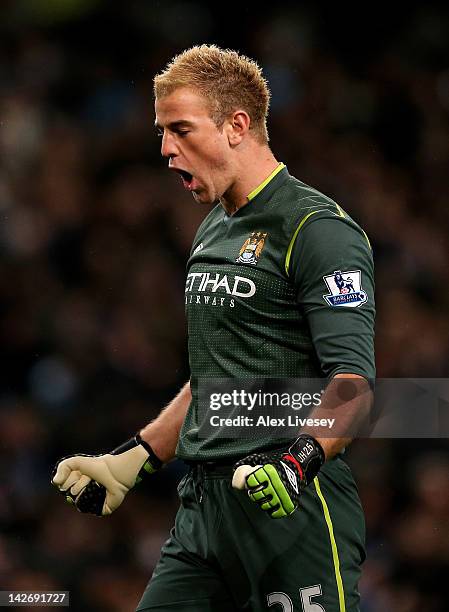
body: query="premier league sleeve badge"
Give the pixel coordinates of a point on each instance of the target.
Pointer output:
(345, 289)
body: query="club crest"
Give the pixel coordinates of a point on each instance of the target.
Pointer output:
(345, 289)
(252, 248)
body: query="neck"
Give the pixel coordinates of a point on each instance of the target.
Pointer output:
(251, 170)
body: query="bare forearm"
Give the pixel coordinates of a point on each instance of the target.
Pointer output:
(162, 434)
(349, 403)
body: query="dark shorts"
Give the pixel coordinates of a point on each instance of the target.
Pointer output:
(226, 555)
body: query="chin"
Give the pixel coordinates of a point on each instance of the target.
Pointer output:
(202, 198)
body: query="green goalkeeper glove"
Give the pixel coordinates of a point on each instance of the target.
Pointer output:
(276, 479)
(97, 484)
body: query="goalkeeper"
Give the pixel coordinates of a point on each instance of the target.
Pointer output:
(279, 283)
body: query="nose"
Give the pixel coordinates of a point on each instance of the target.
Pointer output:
(168, 147)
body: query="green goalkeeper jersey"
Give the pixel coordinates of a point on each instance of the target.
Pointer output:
(282, 288)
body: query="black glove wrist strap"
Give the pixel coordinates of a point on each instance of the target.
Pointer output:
(153, 458)
(132, 443)
(309, 453)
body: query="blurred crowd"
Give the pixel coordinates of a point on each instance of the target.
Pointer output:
(94, 236)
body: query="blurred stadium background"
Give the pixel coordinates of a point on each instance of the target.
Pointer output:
(94, 235)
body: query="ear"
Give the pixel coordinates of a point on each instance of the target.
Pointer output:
(237, 126)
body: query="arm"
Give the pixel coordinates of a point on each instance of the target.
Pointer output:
(349, 412)
(329, 252)
(342, 333)
(162, 434)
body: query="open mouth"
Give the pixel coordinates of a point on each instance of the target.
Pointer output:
(186, 177)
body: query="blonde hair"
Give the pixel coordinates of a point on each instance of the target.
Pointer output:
(227, 80)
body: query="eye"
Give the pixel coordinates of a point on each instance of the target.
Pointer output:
(183, 133)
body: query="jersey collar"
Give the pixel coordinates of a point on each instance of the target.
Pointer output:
(264, 183)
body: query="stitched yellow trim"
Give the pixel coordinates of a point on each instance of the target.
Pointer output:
(335, 557)
(292, 241)
(367, 239)
(340, 210)
(258, 189)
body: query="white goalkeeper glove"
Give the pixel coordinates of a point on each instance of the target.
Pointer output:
(97, 484)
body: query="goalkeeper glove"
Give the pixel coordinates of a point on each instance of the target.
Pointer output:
(97, 484)
(276, 479)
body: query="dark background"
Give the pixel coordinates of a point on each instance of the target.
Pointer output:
(94, 235)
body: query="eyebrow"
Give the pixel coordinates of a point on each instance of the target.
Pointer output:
(175, 124)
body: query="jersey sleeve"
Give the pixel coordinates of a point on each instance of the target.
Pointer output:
(332, 268)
